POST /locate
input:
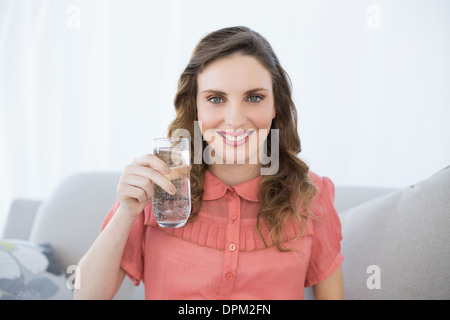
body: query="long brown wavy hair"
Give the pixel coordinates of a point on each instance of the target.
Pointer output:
(284, 196)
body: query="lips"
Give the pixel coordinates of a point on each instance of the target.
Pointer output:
(235, 138)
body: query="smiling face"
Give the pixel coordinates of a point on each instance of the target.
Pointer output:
(235, 105)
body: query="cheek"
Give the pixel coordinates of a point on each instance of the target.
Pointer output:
(208, 119)
(263, 120)
(210, 122)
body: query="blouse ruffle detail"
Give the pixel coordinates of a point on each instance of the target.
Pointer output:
(206, 234)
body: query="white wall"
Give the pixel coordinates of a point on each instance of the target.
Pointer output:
(86, 84)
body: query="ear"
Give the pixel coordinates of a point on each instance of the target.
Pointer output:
(274, 113)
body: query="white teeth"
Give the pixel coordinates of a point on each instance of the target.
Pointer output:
(238, 138)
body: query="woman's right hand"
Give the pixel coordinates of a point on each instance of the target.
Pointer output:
(135, 188)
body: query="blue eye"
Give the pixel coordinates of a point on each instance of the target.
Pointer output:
(254, 99)
(215, 100)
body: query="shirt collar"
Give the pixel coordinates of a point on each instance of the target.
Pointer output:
(214, 188)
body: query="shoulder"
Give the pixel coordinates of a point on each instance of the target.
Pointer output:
(323, 200)
(326, 221)
(324, 185)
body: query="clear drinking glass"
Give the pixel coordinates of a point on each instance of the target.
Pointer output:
(172, 211)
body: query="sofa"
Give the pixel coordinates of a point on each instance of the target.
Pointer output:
(396, 243)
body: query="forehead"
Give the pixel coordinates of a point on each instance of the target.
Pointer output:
(235, 73)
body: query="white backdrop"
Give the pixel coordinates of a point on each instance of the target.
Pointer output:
(86, 84)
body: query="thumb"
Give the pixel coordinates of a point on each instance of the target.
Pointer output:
(179, 172)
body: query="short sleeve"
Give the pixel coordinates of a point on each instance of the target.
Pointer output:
(132, 258)
(326, 254)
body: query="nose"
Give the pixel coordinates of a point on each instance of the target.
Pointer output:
(235, 117)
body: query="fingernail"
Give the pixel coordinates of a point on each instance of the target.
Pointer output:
(173, 190)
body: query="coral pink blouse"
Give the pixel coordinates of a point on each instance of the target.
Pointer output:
(221, 255)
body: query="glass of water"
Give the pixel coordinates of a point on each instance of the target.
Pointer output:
(172, 211)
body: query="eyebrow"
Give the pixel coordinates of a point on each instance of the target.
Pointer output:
(218, 92)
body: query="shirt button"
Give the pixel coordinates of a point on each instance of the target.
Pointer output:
(232, 247)
(233, 193)
(229, 276)
(233, 216)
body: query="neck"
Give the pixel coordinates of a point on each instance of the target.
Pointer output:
(233, 174)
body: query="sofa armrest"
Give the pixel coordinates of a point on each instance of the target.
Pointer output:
(20, 219)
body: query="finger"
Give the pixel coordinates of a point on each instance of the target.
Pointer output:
(133, 192)
(139, 182)
(152, 161)
(145, 171)
(179, 172)
(163, 182)
(153, 176)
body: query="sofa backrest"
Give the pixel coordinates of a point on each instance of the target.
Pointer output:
(71, 219)
(397, 246)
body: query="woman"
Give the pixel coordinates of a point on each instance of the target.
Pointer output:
(252, 234)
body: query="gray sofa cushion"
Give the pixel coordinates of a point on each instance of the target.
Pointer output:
(398, 246)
